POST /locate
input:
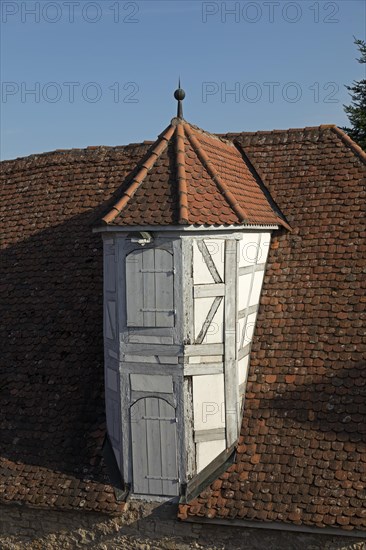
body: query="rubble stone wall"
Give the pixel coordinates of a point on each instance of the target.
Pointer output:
(147, 527)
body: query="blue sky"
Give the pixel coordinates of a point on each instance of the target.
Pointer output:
(104, 72)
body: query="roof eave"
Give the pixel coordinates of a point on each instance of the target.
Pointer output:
(184, 228)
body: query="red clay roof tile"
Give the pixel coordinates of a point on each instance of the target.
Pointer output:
(198, 163)
(307, 425)
(304, 425)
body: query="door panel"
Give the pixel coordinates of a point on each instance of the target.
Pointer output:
(150, 288)
(154, 447)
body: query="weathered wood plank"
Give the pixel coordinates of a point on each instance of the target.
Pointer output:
(152, 349)
(144, 339)
(190, 448)
(248, 311)
(126, 428)
(244, 351)
(150, 359)
(139, 367)
(153, 446)
(178, 330)
(206, 368)
(230, 375)
(209, 435)
(110, 319)
(151, 383)
(169, 397)
(187, 276)
(149, 291)
(164, 288)
(169, 449)
(150, 331)
(139, 447)
(110, 272)
(204, 349)
(211, 314)
(208, 291)
(134, 289)
(249, 269)
(167, 360)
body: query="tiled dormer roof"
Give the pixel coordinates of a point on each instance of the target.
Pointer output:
(191, 177)
(302, 453)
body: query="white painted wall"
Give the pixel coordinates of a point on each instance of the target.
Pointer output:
(253, 253)
(216, 248)
(207, 451)
(208, 402)
(153, 360)
(248, 249)
(215, 333)
(243, 365)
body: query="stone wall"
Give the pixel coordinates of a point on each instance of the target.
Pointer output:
(147, 527)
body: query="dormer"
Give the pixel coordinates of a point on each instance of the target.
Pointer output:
(185, 248)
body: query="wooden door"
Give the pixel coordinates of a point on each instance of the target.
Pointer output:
(150, 288)
(154, 447)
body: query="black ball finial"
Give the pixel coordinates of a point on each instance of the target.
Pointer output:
(179, 94)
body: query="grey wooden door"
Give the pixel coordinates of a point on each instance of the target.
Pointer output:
(154, 447)
(150, 288)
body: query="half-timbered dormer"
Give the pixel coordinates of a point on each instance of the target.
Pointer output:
(185, 248)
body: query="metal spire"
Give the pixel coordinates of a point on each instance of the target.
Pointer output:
(179, 95)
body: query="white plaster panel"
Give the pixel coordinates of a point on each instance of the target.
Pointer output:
(112, 380)
(216, 248)
(256, 289)
(151, 383)
(249, 329)
(248, 249)
(244, 288)
(207, 451)
(201, 273)
(215, 333)
(240, 325)
(243, 369)
(264, 248)
(208, 401)
(201, 309)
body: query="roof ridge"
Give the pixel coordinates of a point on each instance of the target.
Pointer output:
(161, 145)
(203, 157)
(277, 131)
(218, 137)
(181, 176)
(349, 141)
(75, 150)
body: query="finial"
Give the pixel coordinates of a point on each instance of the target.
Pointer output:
(179, 95)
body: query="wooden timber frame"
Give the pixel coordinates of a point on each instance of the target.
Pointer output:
(174, 357)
